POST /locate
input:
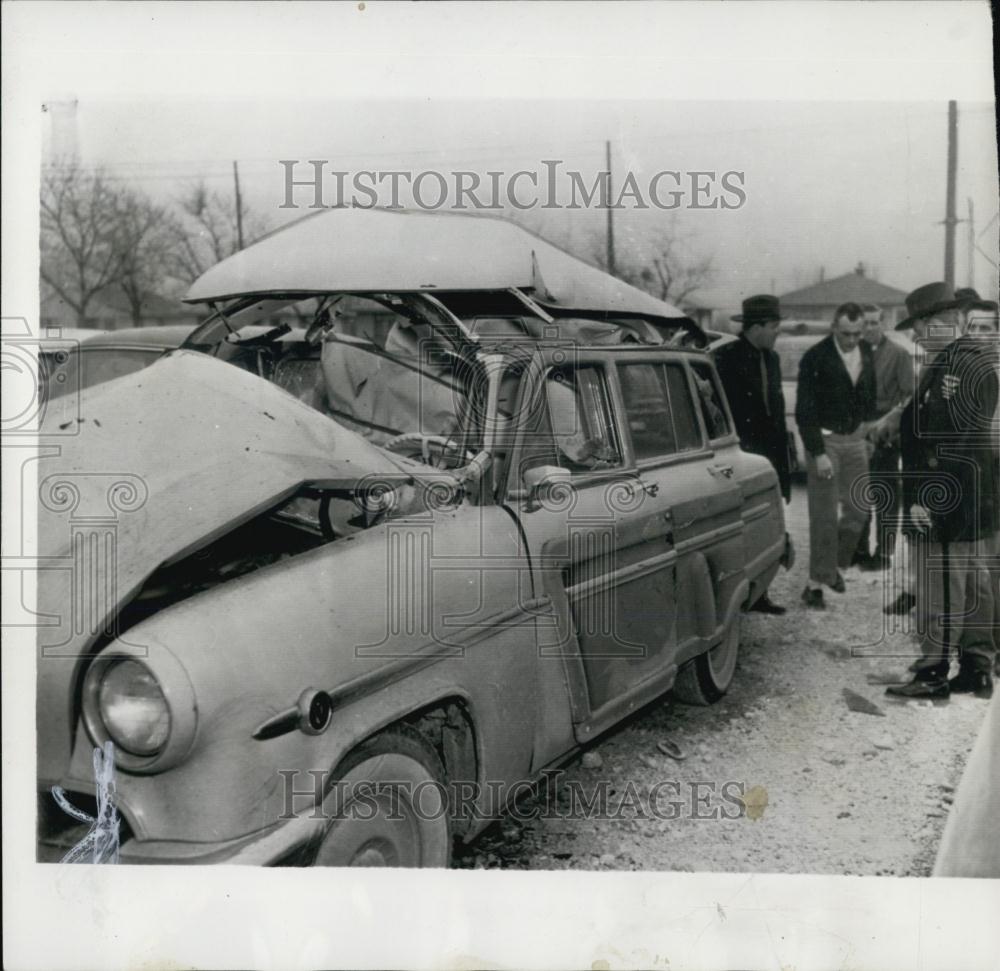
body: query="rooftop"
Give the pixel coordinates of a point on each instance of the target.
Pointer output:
(854, 286)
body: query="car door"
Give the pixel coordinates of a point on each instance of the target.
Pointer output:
(691, 461)
(600, 547)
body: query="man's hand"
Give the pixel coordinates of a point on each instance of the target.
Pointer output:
(920, 516)
(824, 467)
(885, 429)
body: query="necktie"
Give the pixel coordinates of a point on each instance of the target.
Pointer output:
(763, 383)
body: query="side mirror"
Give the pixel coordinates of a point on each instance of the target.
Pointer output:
(543, 477)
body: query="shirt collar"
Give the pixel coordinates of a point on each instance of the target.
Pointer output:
(852, 355)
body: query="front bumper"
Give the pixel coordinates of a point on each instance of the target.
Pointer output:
(283, 842)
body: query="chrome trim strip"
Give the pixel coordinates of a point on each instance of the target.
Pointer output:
(625, 575)
(705, 539)
(755, 512)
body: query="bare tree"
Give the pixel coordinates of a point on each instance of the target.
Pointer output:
(147, 236)
(81, 250)
(666, 264)
(205, 231)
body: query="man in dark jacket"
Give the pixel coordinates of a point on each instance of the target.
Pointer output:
(951, 487)
(834, 408)
(751, 374)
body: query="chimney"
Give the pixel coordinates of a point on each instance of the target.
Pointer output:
(860, 268)
(63, 140)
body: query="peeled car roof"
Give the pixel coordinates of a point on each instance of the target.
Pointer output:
(378, 250)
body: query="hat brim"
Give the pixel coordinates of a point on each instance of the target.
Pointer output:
(753, 319)
(989, 306)
(930, 312)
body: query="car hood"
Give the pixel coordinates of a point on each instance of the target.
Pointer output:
(379, 250)
(145, 470)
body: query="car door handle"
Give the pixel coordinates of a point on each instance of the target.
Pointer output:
(726, 470)
(650, 488)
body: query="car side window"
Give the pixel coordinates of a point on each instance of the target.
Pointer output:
(710, 401)
(100, 364)
(581, 420)
(658, 407)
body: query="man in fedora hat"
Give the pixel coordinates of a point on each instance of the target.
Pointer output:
(751, 374)
(951, 475)
(834, 408)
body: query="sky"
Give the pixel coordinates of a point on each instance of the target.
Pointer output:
(827, 184)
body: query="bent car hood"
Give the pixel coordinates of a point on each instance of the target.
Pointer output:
(382, 250)
(147, 469)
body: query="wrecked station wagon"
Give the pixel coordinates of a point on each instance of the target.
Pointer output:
(460, 505)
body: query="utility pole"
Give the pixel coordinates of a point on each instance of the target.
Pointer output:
(949, 216)
(972, 247)
(239, 207)
(611, 226)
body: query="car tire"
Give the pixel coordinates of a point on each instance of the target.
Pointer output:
(390, 806)
(707, 677)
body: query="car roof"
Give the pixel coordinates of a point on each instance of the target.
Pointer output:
(59, 336)
(798, 340)
(161, 337)
(355, 250)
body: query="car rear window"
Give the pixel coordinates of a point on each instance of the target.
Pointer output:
(658, 407)
(710, 400)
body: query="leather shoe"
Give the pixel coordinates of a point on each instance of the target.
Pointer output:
(968, 681)
(813, 599)
(839, 586)
(921, 688)
(765, 605)
(903, 604)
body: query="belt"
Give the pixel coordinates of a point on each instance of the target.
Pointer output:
(851, 436)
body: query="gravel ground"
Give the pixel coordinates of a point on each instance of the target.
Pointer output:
(791, 779)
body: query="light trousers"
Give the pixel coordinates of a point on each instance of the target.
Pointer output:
(835, 519)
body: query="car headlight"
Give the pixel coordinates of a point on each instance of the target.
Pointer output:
(133, 708)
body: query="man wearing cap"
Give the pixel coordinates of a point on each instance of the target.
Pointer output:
(893, 388)
(834, 409)
(979, 319)
(751, 374)
(951, 475)
(979, 316)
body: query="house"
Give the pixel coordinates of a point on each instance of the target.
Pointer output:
(819, 301)
(703, 316)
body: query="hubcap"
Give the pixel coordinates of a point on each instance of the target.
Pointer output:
(389, 814)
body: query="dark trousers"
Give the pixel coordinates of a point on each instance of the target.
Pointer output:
(956, 603)
(886, 487)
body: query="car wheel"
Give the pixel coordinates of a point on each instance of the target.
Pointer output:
(390, 804)
(706, 678)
